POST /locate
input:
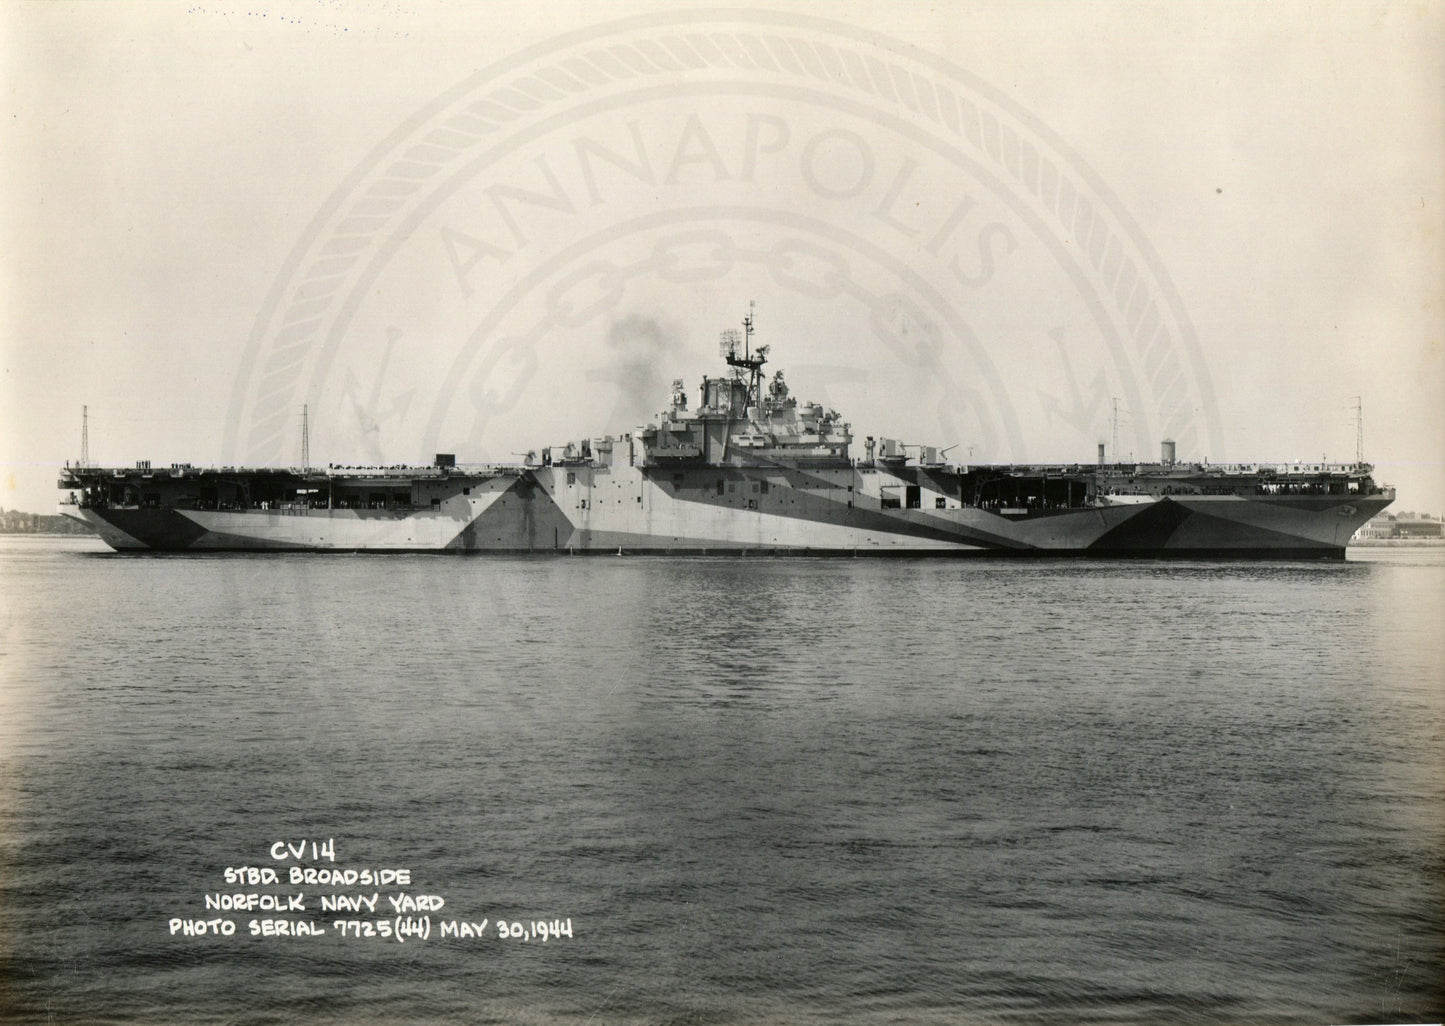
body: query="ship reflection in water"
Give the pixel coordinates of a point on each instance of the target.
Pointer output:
(750, 470)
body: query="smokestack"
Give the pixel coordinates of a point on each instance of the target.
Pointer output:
(1101, 454)
(1166, 451)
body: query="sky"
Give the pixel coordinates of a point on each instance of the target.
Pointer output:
(1016, 230)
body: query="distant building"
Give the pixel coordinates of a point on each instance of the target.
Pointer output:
(15, 522)
(1401, 527)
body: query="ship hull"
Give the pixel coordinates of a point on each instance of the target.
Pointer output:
(836, 511)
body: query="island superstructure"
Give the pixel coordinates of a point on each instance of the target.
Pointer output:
(749, 469)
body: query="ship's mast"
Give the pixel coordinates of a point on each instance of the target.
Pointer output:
(1116, 430)
(747, 353)
(305, 438)
(85, 436)
(747, 362)
(1359, 429)
(748, 328)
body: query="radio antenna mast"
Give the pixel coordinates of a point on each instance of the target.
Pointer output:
(305, 439)
(1359, 429)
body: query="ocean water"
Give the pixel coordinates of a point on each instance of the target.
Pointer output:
(752, 791)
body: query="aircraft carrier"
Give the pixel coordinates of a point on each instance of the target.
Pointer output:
(748, 470)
